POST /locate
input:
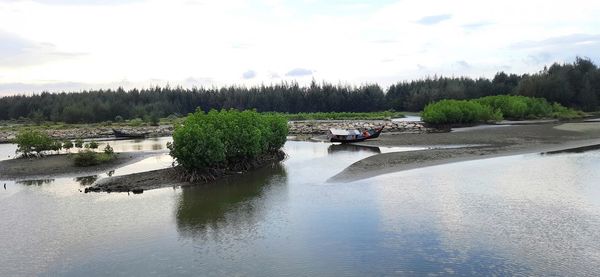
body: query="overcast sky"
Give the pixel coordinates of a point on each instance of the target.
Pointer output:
(75, 44)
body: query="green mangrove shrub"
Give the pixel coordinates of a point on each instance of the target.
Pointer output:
(67, 145)
(222, 138)
(79, 143)
(92, 145)
(108, 149)
(458, 112)
(34, 143)
(89, 157)
(494, 108)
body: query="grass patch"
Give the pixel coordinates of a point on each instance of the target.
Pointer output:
(343, 115)
(90, 158)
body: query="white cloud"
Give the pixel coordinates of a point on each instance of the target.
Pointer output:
(250, 74)
(355, 41)
(16, 51)
(299, 72)
(434, 19)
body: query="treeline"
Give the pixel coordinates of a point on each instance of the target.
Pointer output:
(110, 105)
(574, 85)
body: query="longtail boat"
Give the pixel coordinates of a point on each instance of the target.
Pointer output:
(123, 134)
(347, 136)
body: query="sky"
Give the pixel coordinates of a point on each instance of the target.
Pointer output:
(71, 45)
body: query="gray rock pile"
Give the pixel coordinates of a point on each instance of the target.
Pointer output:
(321, 127)
(309, 127)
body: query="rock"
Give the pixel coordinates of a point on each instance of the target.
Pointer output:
(92, 189)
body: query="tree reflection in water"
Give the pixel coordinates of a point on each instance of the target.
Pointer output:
(86, 180)
(235, 203)
(35, 182)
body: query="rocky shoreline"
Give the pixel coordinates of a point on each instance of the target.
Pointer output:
(309, 127)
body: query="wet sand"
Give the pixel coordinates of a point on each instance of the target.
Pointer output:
(138, 182)
(495, 141)
(62, 165)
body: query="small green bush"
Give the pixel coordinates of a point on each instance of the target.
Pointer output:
(108, 149)
(152, 119)
(79, 143)
(85, 158)
(34, 143)
(67, 145)
(56, 145)
(92, 145)
(88, 157)
(136, 122)
(218, 138)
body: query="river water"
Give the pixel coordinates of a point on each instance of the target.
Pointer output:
(518, 215)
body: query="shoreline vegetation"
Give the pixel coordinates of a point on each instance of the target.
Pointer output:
(492, 109)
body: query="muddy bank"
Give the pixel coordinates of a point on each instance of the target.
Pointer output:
(138, 182)
(176, 176)
(62, 165)
(500, 141)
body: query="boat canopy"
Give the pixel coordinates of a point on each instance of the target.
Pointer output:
(342, 132)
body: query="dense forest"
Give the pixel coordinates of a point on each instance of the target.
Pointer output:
(575, 85)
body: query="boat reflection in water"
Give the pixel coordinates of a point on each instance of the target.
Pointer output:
(345, 147)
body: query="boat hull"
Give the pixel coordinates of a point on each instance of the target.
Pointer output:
(121, 134)
(373, 133)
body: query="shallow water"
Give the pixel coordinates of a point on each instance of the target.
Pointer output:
(7, 150)
(518, 215)
(408, 118)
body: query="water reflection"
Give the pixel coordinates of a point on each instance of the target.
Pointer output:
(236, 202)
(157, 146)
(86, 180)
(581, 149)
(352, 148)
(35, 182)
(521, 215)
